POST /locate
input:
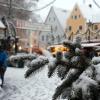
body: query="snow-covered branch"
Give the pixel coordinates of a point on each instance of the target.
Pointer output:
(36, 65)
(22, 56)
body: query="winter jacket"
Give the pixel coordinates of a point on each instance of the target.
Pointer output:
(3, 59)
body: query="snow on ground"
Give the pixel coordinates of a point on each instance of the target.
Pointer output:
(37, 87)
(96, 60)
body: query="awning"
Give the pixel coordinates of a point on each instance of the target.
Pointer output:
(90, 44)
(23, 39)
(2, 26)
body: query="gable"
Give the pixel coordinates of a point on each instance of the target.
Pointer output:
(90, 13)
(59, 14)
(48, 16)
(62, 16)
(54, 22)
(76, 13)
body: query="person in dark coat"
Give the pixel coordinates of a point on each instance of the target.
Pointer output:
(3, 63)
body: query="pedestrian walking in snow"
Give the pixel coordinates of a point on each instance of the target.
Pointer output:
(3, 64)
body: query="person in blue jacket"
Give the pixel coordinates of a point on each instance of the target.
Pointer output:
(3, 63)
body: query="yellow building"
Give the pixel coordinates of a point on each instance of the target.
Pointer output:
(77, 24)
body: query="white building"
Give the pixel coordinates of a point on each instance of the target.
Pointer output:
(57, 19)
(31, 31)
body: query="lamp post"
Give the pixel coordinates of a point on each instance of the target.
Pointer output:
(10, 9)
(90, 25)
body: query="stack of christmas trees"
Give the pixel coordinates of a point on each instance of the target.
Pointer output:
(79, 75)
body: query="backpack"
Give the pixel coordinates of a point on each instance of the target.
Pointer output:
(3, 57)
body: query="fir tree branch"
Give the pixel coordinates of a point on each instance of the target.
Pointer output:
(71, 77)
(22, 56)
(62, 71)
(32, 71)
(52, 68)
(36, 65)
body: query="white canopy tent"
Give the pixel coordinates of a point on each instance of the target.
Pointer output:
(90, 44)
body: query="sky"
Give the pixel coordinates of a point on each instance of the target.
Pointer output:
(64, 4)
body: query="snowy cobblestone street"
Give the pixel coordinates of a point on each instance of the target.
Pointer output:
(38, 87)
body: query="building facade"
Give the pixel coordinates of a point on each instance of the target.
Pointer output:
(25, 22)
(56, 19)
(75, 23)
(29, 33)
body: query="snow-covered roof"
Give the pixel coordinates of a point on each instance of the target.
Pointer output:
(2, 25)
(96, 18)
(62, 16)
(90, 13)
(38, 18)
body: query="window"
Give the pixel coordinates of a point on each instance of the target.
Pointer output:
(55, 28)
(42, 38)
(70, 28)
(66, 29)
(96, 37)
(51, 29)
(79, 16)
(75, 9)
(75, 17)
(47, 38)
(72, 17)
(54, 18)
(34, 41)
(80, 27)
(96, 27)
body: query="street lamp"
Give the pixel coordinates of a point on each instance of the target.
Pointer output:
(10, 8)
